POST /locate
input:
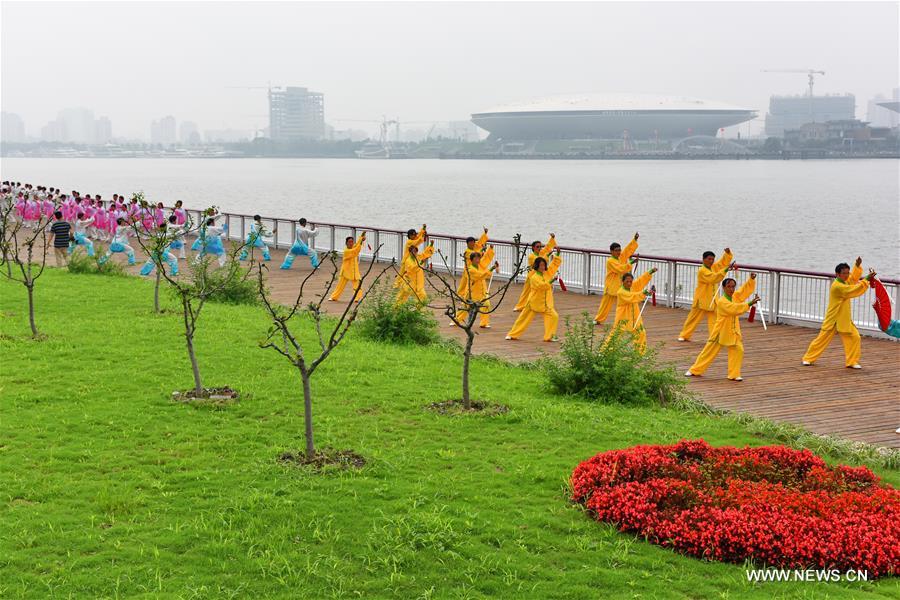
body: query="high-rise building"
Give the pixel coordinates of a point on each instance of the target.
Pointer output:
(881, 116)
(295, 113)
(790, 112)
(12, 128)
(78, 124)
(163, 131)
(102, 130)
(188, 134)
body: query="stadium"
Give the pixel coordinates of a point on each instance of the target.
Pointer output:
(610, 116)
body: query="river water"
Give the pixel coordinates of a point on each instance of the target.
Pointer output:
(798, 214)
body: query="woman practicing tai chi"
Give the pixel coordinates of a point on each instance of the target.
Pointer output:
(165, 255)
(473, 285)
(256, 239)
(617, 265)
(538, 250)
(304, 241)
(412, 274)
(628, 313)
(844, 288)
(119, 243)
(350, 268)
(412, 239)
(726, 333)
(709, 275)
(540, 300)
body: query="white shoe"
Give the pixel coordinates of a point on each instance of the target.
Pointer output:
(856, 366)
(553, 339)
(682, 340)
(485, 326)
(688, 374)
(596, 322)
(507, 338)
(738, 379)
(806, 363)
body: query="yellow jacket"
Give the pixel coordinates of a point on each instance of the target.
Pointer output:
(479, 244)
(838, 312)
(707, 281)
(412, 271)
(474, 279)
(544, 253)
(350, 261)
(627, 301)
(616, 267)
(727, 330)
(541, 297)
(420, 237)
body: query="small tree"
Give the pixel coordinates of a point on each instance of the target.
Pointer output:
(453, 301)
(19, 240)
(195, 286)
(283, 339)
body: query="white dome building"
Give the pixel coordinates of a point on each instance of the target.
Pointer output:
(609, 116)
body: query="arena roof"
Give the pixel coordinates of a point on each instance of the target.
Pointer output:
(613, 101)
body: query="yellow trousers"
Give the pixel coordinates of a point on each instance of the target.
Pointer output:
(523, 297)
(693, 319)
(852, 346)
(607, 302)
(342, 283)
(709, 353)
(485, 320)
(551, 320)
(639, 338)
(406, 292)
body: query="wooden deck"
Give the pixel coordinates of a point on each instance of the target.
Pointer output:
(826, 398)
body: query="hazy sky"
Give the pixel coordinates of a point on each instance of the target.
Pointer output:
(135, 62)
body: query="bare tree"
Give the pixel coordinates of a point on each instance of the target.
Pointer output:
(283, 338)
(455, 300)
(18, 240)
(195, 284)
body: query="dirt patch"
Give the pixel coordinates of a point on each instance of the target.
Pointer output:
(218, 395)
(477, 407)
(323, 459)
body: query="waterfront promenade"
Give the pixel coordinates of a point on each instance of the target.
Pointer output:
(826, 398)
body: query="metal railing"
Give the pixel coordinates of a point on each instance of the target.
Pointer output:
(789, 296)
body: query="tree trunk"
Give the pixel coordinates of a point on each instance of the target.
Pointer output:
(467, 354)
(189, 338)
(307, 415)
(34, 329)
(156, 293)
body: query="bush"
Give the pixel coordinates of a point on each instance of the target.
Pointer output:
(610, 371)
(237, 286)
(82, 264)
(239, 290)
(382, 320)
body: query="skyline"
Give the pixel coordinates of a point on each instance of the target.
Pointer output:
(425, 62)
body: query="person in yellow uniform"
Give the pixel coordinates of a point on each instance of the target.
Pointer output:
(538, 250)
(628, 312)
(710, 273)
(617, 265)
(726, 333)
(472, 245)
(474, 285)
(349, 268)
(412, 239)
(844, 288)
(412, 274)
(540, 299)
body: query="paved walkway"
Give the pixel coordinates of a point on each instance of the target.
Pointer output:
(826, 398)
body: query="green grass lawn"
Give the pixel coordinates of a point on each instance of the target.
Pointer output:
(108, 488)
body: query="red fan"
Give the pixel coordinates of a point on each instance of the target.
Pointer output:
(562, 284)
(653, 295)
(882, 305)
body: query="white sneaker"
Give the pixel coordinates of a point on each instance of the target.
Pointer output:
(507, 338)
(682, 340)
(485, 326)
(856, 366)
(806, 363)
(688, 374)
(738, 379)
(596, 322)
(553, 339)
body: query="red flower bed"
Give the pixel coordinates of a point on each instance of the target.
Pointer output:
(781, 507)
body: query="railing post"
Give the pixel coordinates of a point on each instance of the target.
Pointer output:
(586, 272)
(774, 301)
(376, 242)
(673, 281)
(453, 262)
(275, 233)
(332, 236)
(400, 244)
(243, 229)
(228, 225)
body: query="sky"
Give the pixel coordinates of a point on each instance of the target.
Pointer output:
(139, 61)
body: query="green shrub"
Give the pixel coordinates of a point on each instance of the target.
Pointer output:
(610, 371)
(231, 286)
(239, 290)
(382, 320)
(82, 264)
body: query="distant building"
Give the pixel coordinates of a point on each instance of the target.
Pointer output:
(12, 128)
(790, 112)
(226, 136)
(295, 113)
(54, 131)
(163, 131)
(102, 130)
(879, 115)
(188, 134)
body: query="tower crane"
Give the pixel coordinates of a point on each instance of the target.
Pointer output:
(810, 73)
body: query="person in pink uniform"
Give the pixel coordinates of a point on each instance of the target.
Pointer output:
(180, 214)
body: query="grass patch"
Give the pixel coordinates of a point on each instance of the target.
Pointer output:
(108, 488)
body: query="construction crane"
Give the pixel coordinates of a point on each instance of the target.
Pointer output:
(810, 73)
